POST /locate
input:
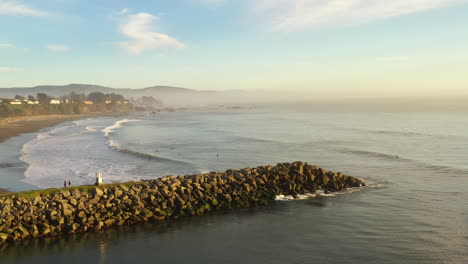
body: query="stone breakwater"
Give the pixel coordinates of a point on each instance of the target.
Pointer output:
(83, 209)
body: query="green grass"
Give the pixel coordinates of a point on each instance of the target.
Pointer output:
(52, 191)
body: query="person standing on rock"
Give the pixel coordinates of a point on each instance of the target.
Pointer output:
(69, 183)
(65, 183)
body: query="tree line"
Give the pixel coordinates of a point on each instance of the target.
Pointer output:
(71, 104)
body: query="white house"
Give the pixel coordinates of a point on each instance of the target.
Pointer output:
(33, 102)
(88, 102)
(54, 102)
(15, 102)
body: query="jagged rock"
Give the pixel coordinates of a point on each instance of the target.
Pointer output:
(66, 211)
(3, 237)
(117, 192)
(97, 192)
(45, 230)
(22, 231)
(73, 201)
(36, 200)
(81, 214)
(34, 231)
(94, 200)
(325, 180)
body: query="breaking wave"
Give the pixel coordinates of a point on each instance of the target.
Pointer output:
(322, 193)
(113, 144)
(111, 129)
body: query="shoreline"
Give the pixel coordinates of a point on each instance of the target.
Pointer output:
(15, 126)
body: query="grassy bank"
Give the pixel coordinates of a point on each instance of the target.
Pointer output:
(52, 191)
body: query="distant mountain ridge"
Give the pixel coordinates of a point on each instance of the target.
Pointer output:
(169, 95)
(59, 90)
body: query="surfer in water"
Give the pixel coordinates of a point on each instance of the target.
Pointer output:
(396, 156)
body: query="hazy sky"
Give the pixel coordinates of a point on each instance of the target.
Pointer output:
(343, 47)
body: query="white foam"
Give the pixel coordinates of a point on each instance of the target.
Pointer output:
(298, 197)
(59, 129)
(318, 193)
(92, 128)
(114, 145)
(110, 129)
(74, 154)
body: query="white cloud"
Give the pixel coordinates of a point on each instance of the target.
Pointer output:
(295, 15)
(58, 48)
(7, 69)
(138, 29)
(13, 7)
(6, 45)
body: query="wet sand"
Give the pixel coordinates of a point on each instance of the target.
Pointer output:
(14, 126)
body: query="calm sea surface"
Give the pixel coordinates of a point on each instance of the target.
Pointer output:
(416, 210)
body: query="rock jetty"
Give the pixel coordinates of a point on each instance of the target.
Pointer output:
(55, 212)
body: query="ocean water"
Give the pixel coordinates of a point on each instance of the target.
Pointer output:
(415, 210)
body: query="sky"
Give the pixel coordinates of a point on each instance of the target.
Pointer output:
(357, 48)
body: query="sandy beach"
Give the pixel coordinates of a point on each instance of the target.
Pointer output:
(14, 126)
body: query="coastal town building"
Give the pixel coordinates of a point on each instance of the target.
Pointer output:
(54, 102)
(88, 102)
(15, 102)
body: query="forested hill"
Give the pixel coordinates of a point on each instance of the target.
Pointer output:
(71, 104)
(171, 96)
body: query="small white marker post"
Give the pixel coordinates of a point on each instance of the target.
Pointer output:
(98, 178)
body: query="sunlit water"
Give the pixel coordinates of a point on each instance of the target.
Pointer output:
(416, 211)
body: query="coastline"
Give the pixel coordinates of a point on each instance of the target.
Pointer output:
(22, 127)
(14, 126)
